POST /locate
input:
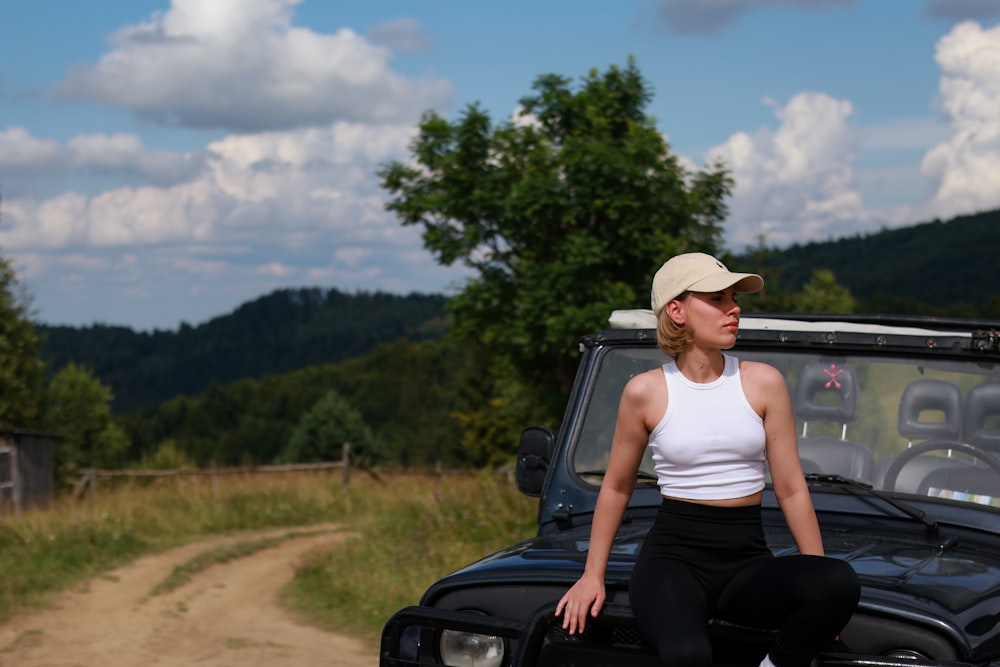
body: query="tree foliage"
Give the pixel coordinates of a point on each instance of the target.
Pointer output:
(22, 378)
(167, 456)
(325, 428)
(80, 411)
(436, 400)
(822, 294)
(931, 268)
(410, 395)
(564, 213)
(279, 332)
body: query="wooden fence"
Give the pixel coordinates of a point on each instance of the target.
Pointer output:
(89, 477)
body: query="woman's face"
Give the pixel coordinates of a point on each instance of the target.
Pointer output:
(712, 318)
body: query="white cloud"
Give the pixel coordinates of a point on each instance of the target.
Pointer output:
(351, 256)
(903, 134)
(794, 183)
(149, 216)
(279, 206)
(30, 163)
(274, 270)
(243, 66)
(19, 151)
(800, 182)
(126, 154)
(54, 223)
(278, 189)
(964, 171)
(521, 118)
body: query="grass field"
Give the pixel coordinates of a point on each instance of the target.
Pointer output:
(409, 530)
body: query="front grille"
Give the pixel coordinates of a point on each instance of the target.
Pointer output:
(616, 635)
(623, 635)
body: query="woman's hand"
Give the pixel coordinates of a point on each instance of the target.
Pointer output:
(585, 596)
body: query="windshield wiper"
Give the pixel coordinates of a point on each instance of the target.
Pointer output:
(867, 489)
(641, 475)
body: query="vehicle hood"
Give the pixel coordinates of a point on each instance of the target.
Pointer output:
(945, 579)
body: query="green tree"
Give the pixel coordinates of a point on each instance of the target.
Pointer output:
(166, 456)
(22, 385)
(80, 410)
(564, 213)
(823, 294)
(410, 393)
(321, 433)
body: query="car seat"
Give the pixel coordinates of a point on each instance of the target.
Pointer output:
(981, 429)
(828, 391)
(981, 419)
(921, 403)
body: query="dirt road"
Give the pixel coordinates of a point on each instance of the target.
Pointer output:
(225, 616)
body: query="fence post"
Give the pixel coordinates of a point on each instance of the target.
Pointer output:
(81, 485)
(346, 459)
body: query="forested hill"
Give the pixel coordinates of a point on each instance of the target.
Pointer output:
(283, 331)
(932, 267)
(940, 265)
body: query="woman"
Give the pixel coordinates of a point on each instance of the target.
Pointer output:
(711, 420)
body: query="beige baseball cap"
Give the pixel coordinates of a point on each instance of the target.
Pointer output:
(697, 272)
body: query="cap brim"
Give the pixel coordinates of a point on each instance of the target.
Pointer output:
(744, 283)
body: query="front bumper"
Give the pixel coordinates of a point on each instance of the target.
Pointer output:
(409, 639)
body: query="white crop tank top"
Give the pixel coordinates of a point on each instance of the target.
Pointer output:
(710, 443)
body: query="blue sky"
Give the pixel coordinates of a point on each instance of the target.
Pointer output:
(165, 161)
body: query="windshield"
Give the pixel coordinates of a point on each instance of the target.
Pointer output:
(920, 427)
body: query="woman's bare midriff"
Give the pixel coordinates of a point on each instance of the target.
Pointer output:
(745, 501)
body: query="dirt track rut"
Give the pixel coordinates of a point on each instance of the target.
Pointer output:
(225, 616)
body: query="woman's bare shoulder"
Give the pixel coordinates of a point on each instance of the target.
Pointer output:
(644, 398)
(640, 386)
(761, 374)
(653, 376)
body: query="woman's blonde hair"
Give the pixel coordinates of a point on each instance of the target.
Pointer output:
(672, 338)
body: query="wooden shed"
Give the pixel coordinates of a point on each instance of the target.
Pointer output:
(27, 475)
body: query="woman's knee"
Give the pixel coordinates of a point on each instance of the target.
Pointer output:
(839, 582)
(831, 593)
(845, 587)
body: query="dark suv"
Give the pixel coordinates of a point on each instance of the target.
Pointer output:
(899, 436)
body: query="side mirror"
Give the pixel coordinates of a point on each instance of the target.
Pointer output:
(534, 451)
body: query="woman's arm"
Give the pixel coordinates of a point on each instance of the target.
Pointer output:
(769, 394)
(587, 595)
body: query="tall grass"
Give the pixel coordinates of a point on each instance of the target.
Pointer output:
(410, 530)
(406, 540)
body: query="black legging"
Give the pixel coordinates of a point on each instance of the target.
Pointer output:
(700, 562)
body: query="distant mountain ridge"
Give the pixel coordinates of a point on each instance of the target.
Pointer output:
(937, 264)
(927, 267)
(283, 331)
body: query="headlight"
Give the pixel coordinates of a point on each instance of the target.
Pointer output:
(468, 649)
